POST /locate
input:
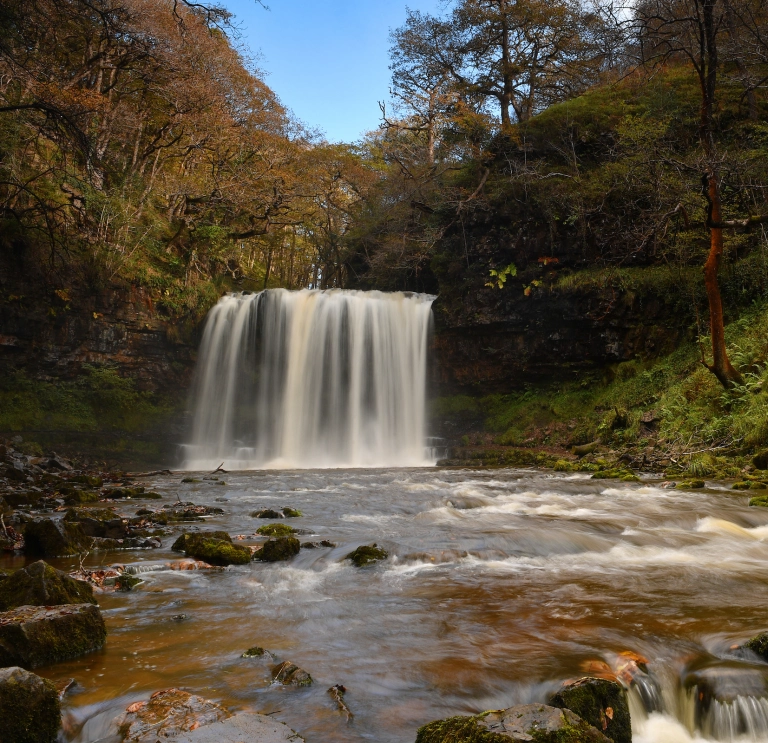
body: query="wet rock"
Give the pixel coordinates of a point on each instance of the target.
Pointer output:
(190, 479)
(584, 449)
(337, 693)
(244, 726)
(32, 636)
(624, 475)
(93, 481)
(267, 513)
(291, 513)
(58, 463)
(213, 550)
(525, 723)
(256, 652)
(54, 538)
(289, 674)
(757, 644)
(168, 714)
(275, 530)
(759, 501)
(366, 554)
(276, 550)
(23, 498)
(80, 497)
(181, 542)
(326, 543)
(127, 582)
(40, 584)
(30, 710)
(124, 492)
(97, 522)
(600, 702)
(690, 485)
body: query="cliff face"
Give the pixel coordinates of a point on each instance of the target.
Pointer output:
(54, 339)
(489, 342)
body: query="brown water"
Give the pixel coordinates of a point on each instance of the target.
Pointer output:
(500, 584)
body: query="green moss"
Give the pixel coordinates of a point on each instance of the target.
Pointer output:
(759, 500)
(742, 485)
(216, 551)
(276, 550)
(458, 730)
(616, 474)
(40, 584)
(29, 708)
(127, 582)
(589, 698)
(275, 530)
(291, 513)
(367, 554)
(255, 652)
(758, 645)
(690, 485)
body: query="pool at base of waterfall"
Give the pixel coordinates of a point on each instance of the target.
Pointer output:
(497, 586)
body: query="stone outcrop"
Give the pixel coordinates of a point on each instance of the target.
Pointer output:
(30, 711)
(40, 584)
(276, 550)
(215, 548)
(32, 636)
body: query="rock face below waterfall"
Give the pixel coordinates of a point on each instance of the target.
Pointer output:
(29, 708)
(526, 723)
(602, 703)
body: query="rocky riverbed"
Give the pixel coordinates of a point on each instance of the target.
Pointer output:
(396, 603)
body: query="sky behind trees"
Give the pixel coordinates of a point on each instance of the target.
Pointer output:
(327, 59)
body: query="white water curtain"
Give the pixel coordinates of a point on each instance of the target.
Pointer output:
(312, 379)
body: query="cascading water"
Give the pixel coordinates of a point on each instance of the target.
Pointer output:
(312, 379)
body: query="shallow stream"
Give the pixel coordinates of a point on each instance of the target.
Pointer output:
(500, 584)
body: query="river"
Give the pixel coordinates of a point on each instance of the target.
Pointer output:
(500, 584)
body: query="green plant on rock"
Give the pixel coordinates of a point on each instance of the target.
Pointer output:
(499, 278)
(275, 530)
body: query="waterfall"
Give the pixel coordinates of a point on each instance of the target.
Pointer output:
(312, 379)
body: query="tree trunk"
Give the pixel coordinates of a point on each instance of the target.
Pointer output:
(721, 365)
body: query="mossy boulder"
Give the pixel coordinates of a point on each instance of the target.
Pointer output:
(624, 475)
(761, 501)
(93, 480)
(30, 710)
(742, 485)
(32, 636)
(267, 513)
(758, 645)
(690, 485)
(275, 530)
(180, 544)
(127, 582)
(600, 702)
(277, 550)
(563, 465)
(289, 674)
(209, 547)
(256, 652)
(291, 513)
(23, 498)
(80, 497)
(40, 584)
(522, 724)
(125, 492)
(367, 554)
(97, 522)
(54, 538)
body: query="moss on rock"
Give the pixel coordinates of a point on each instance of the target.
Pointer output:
(275, 530)
(276, 550)
(601, 703)
(290, 674)
(32, 636)
(758, 645)
(29, 708)
(366, 554)
(54, 538)
(761, 501)
(211, 548)
(40, 584)
(458, 730)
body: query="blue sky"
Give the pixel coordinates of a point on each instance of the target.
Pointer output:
(326, 59)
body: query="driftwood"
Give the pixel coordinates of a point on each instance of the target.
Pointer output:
(150, 474)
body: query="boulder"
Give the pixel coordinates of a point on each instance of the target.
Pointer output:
(180, 544)
(758, 645)
(257, 652)
(32, 636)
(215, 551)
(525, 723)
(40, 584)
(367, 554)
(29, 708)
(760, 460)
(267, 513)
(97, 522)
(53, 538)
(275, 530)
(289, 674)
(282, 548)
(168, 714)
(291, 513)
(244, 726)
(600, 702)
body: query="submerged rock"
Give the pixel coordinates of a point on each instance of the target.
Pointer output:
(757, 644)
(30, 711)
(32, 636)
(289, 674)
(366, 554)
(168, 714)
(54, 538)
(257, 652)
(276, 550)
(267, 513)
(600, 702)
(40, 584)
(242, 727)
(213, 548)
(690, 485)
(525, 723)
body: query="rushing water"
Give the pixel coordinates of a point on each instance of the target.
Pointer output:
(312, 379)
(500, 585)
